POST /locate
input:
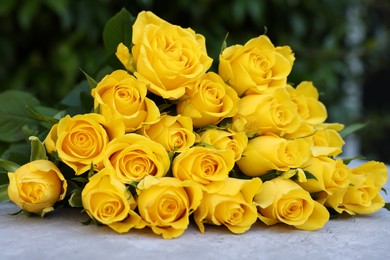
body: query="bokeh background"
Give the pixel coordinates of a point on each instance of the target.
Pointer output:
(342, 46)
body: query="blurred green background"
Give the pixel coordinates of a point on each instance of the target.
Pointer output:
(342, 46)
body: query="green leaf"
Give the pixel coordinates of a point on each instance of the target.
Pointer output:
(352, 129)
(75, 199)
(38, 150)
(91, 82)
(118, 29)
(49, 121)
(272, 174)
(309, 175)
(8, 165)
(387, 206)
(4, 193)
(224, 43)
(13, 114)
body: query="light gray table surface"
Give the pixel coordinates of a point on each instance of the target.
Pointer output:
(61, 235)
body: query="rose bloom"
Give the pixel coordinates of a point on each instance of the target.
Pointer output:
(168, 57)
(175, 133)
(209, 101)
(363, 195)
(79, 141)
(166, 204)
(326, 141)
(269, 113)
(226, 140)
(122, 96)
(207, 166)
(256, 67)
(331, 175)
(283, 200)
(36, 186)
(232, 206)
(131, 157)
(109, 201)
(271, 152)
(305, 95)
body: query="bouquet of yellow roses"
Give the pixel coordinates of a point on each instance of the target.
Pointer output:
(168, 140)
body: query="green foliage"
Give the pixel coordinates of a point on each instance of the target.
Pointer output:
(4, 193)
(118, 30)
(38, 150)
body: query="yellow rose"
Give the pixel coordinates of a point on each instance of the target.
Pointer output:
(168, 57)
(36, 186)
(209, 101)
(257, 67)
(79, 141)
(166, 204)
(232, 206)
(270, 152)
(225, 140)
(175, 133)
(326, 141)
(331, 175)
(131, 157)
(204, 165)
(269, 113)
(305, 95)
(283, 200)
(121, 96)
(363, 195)
(109, 201)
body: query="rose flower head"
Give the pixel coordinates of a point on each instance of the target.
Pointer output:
(109, 201)
(206, 166)
(269, 113)
(226, 140)
(231, 206)
(36, 186)
(271, 152)
(132, 157)
(209, 101)
(121, 96)
(166, 204)
(175, 133)
(168, 58)
(79, 141)
(363, 195)
(256, 67)
(283, 200)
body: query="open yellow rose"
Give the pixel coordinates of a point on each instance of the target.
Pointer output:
(175, 133)
(168, 57)
(36, 186)
(131, 157)
(269, 113)
(209, 101)
(271, 152)
(363, 195)
(206, 166)
(331, 175)
(232, 206)
(283, 200)
(226, 140)
(109, 201)
(121, 96)
(305, 95)
(326, 141)
(166, 204)
(79, 141)
(256, 67)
